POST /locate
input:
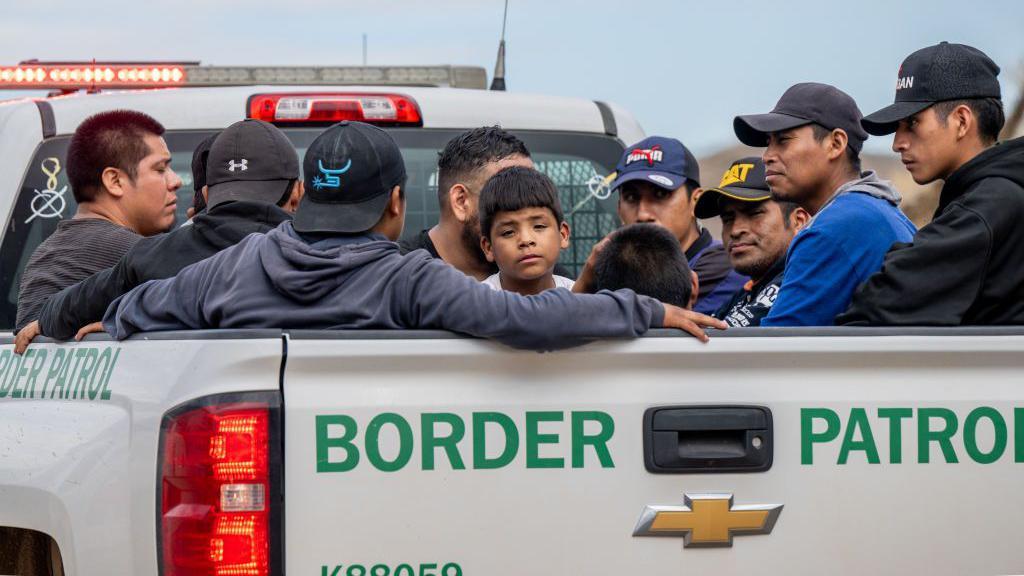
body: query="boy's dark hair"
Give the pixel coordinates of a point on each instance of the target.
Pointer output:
(852, 155)
(515, 188)
(987, 111)
(108, 139)
(648, 260)
(469, 151)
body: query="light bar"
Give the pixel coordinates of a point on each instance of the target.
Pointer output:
(91, 76)
(328, 108)
(98, 75)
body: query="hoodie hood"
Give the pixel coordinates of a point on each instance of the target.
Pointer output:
(1004, 160)
(869, 183)
(225, 224)
(307, 272)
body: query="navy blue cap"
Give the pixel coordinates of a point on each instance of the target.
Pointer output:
(664, 162)
(349, 171)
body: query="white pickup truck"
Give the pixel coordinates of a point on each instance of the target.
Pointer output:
(420, 453)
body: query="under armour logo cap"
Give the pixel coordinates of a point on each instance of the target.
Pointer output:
(251, 160)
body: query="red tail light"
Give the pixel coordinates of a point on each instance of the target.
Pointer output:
(218, 477)
(328, 108)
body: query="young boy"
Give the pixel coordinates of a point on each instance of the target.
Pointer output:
(523, 231)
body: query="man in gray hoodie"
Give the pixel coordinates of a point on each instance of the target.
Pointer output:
(812, 143)
(337, 266)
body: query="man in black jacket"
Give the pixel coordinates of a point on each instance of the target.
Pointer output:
(965, 267)
(253, 179)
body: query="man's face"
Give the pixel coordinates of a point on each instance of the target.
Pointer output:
(927, 148)
(755, 235)
(643, 202)
(471, 226)
(525, 243)
(150, 199)
(795, 164)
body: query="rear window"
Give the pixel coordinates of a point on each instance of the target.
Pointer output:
(571, 160)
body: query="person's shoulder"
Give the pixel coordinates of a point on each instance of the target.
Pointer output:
(856, 210)
(561, 282)
(493, 281)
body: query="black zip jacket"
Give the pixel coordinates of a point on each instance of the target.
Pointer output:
(967, 266)
(154, 258)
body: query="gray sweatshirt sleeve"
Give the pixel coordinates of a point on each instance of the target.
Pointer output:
(439, 296)
(169, 304)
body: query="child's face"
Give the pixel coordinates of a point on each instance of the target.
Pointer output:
(525, 243)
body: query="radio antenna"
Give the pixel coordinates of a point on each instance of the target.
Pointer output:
(498, 83)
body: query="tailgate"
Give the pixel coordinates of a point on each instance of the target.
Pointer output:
(421, 455)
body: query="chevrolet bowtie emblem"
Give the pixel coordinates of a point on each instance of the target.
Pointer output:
(707, 520)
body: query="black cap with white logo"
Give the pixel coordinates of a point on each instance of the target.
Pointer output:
(802, 104)
(936, 74)
(349, 172)
(250, 160)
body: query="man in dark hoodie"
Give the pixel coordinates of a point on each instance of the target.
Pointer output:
(813, 139)
(337, 265)
(965, 267)
(253, 179)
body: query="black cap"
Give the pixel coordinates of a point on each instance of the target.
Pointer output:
(936, 74)
(744, 180)
(349, 173)
(200, 156)
(251, 160)
(802, 104)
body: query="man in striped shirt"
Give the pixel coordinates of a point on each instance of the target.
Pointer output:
(119, 171)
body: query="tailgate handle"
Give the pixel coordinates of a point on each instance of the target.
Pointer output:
(688, 439)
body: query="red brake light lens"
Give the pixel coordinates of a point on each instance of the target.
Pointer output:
(215, 482)
(328, 108)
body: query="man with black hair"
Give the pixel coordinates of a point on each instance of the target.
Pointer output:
(199, 189)
(812, 142)
(467, 162)
(965, 267)
(658, 181)
(337, 265)
(241, 202)
(118, 166)
(647, 259)
(756, 231)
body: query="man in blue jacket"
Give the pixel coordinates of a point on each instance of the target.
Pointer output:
(337, 265)
(813, 139)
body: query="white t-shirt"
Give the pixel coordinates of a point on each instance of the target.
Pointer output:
(494, 281)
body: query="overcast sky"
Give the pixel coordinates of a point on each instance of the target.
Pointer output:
(683, 68)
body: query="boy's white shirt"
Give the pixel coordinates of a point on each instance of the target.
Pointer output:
(494, 281)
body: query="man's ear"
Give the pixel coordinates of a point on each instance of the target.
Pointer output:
(837, 143)
(485, 246)
(563, 231)
(206, 193)
(798, 218)
(695, 292)
(459, 201)
(114, 180)
(694, 196)
(298, 191)
(963, 117)
(396, 205)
